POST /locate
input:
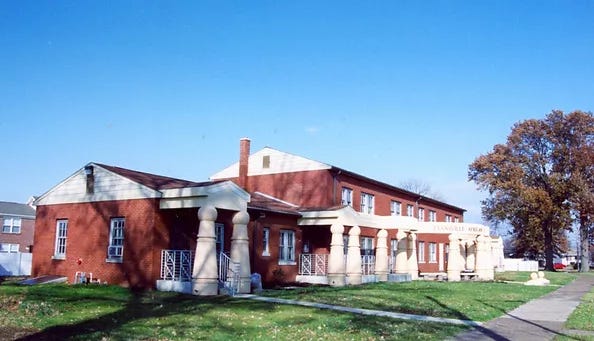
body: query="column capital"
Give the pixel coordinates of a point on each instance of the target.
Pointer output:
(337, 228)
(355, 231)
(241, 218)
(207, 213)
(382, 233)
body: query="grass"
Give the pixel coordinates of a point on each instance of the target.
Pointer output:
(478, 301)
(47, 312)
(582, 317)
(51, 312)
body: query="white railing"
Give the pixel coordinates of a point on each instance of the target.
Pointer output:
(368, 265)
(228, 274)
(176, 265)
(313, 264)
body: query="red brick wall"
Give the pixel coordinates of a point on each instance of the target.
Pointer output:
(437, 239)
(383, 197)
(24, 239)
(88, 234)
(266, 265)
(306, 189)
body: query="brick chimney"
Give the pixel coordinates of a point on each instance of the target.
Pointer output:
(244, 154)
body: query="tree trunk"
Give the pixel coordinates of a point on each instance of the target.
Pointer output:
(549, 248)
(584, 244)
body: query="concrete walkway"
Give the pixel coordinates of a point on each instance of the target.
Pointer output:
(361, 311)
(539, 319)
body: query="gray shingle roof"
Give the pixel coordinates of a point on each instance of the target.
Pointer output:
(16, 209)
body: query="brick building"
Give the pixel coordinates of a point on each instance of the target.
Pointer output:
(18, 225)
(286, 217)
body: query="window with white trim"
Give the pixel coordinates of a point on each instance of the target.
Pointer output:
(456, 220)
(366, 246)
(286, 253)
(432, 253)
(367, 203)
(345, 243)
(266, 241)
(393, 248)
(395, 207)
(347, 197)
(115, 250)
(421, 214)
(9, 248)
(61, 238)
(410, 210)
(448, 218)
(432, 215)
(11, 225)
(421, 252)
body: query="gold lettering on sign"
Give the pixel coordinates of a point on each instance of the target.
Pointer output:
(458, 228)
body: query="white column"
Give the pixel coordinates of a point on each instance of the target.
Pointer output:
(484, 266)
(401, 262)
(353, 266)
(454, 259)
(240, 252)
(381, 256)
(471, 255)
(336, 266)
(413, 263)
(205, 273)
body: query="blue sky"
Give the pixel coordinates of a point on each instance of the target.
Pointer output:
(394, 90)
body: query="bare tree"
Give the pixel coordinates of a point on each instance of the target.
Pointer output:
(421, 188)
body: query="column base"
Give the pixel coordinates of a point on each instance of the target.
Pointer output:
(453, 276)
(381, 276)
(354, 279)
(205, 287)
(336, 280)
(245, 285)
(414, 275)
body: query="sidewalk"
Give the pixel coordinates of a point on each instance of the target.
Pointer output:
(539, 319)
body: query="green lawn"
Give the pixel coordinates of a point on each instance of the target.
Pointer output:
(113, 313)
(582, 317)
(479, 301)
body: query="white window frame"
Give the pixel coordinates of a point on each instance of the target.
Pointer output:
(345, 243)
(410, 210)
(456, 220)
(366, 246)
(367, 203)
(346, 197)
(421, 252)
(11, 224)
(266, 241)
(9, 248)
(448, 218)
(393, 248)
(286, 246)
(395, 208)
(61, 241)
(115, 249)
(432, 253)
(421, 212)
(432, 215)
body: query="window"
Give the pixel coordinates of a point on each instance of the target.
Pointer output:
(347, 197)
(432, 215)
(421, 214)
(366, 246)
(432, 253)
(286, 253)
(345, 241)
(410, 210)
(266, 161)
(11, 225)
(115, 251)
(421, 252)
(61, 235)
(395, 208)
(456, 220)
(367, 203)
(393, 247)
(220, 237)
(266, 242)
(448, 218)
(9, 248)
